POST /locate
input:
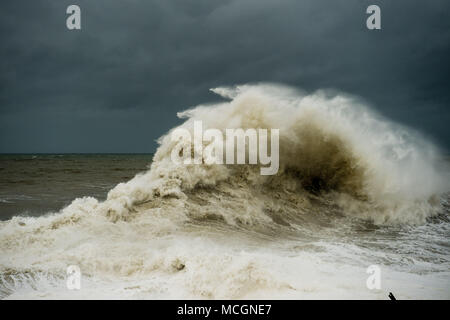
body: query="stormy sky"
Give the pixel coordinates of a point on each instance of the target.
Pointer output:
(116, 85)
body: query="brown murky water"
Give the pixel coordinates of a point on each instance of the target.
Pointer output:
(37, 184)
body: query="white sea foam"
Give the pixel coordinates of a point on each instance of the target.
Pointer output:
(225, 231)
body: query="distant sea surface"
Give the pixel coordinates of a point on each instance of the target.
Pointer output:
(36, 184)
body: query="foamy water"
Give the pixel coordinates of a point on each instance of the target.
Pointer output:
(353, 190)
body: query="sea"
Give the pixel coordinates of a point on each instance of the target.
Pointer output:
(359, 208)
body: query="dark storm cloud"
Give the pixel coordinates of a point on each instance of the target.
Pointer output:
(116, 85)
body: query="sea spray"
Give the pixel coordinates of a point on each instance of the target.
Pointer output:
(352, 190)
(333, 146)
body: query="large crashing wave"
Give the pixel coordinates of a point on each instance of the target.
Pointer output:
(333, 149)
(331, 146)
(337, 159)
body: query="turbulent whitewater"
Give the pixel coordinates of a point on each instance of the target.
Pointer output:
(353, 190)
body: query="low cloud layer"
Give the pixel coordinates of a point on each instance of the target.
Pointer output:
(116, 85)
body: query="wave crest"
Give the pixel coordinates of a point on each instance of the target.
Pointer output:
(330, 144)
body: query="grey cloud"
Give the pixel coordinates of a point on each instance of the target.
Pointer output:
(116, 85)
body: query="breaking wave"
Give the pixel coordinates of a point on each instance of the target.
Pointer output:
(337, 157)
(331, 147)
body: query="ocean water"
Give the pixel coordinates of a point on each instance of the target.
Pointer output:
(36, 184)
(353, 190)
